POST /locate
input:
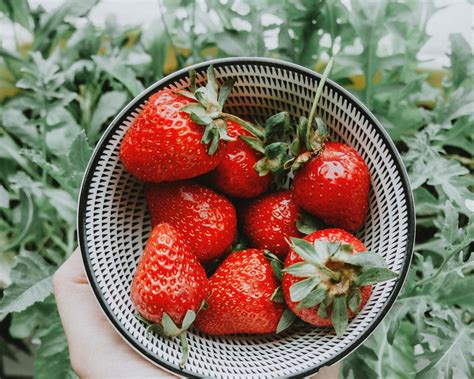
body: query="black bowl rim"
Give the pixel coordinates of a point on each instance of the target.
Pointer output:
(222, 62)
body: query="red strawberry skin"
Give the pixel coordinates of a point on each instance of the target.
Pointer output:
(240, 297)
(270, 221)
(235, 176)
(168, 277)
(334, 186)
(163, 144)
(206, 220)
(310, 315)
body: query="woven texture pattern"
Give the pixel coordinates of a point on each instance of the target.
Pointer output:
(115, 227)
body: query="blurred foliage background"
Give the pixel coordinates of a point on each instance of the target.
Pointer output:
(58, 93)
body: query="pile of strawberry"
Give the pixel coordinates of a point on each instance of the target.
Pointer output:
(264, 272)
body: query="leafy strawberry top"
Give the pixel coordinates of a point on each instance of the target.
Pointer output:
(286, 145)
(333, 276)
(208, 109)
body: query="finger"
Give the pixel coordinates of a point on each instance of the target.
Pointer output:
(94, 345)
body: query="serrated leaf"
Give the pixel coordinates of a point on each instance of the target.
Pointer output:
(200, 118)
(373, 275)
(25, 323)
(322, 309)
(276, 263)
(354, 300)
(211, 86)
(366, 259)
(308, 224)
(301, 289)
(315, 297)
(287, 319)
(108, 106)
(169, 327)
(79, 152)
(115, 67)
(278, 296)
(52, 354)
(462, 63)
(302, 270)
(15, 122)
(188, 320)
(454, 353)
(339, 316)
(225, 91)
(31, 282)
(28, 214)
(254, 143)
(64, 204)
(305, 250)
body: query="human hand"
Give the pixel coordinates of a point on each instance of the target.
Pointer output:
(96, 349)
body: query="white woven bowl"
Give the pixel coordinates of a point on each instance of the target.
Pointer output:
(113, 224)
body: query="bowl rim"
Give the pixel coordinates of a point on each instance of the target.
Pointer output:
(222, 62)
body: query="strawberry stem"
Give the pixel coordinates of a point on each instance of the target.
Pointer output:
(336, 276)
(319, 90)
(184, 348)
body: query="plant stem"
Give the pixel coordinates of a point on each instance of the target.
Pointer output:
(193, 34)
(168, 35)
(445, 262)
(319, 91)
(185, 349)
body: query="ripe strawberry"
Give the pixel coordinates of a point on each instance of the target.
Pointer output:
(334, 186)
(164, 144)
(240, 297)
(270, 221)
(167, 141)
(206, 220)
(328, 277)
(169, 285)
(236, 176)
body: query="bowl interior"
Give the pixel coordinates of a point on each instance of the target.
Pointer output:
(114, 225)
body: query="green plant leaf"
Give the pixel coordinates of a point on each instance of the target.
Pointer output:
(366, 258)
(4, 198)
(115, 67)
(169, 327)
(373, 275)
(287, 319)
(108, 106)
(52, 355)
(188, 320)
(278, 296)
(453, 349)
(339, 316)
(354, 300)
(315, 297)
(17, 11)
(302, 270)
(305, 250)
(308, 224)
(31, 282)
(51, 20)
(79, 152)
(302, 288)
(462, 63)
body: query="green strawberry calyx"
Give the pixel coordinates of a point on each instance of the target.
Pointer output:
(287, 318)
(167, 328)
(286, 146)
(333, 276)
(208, 110)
